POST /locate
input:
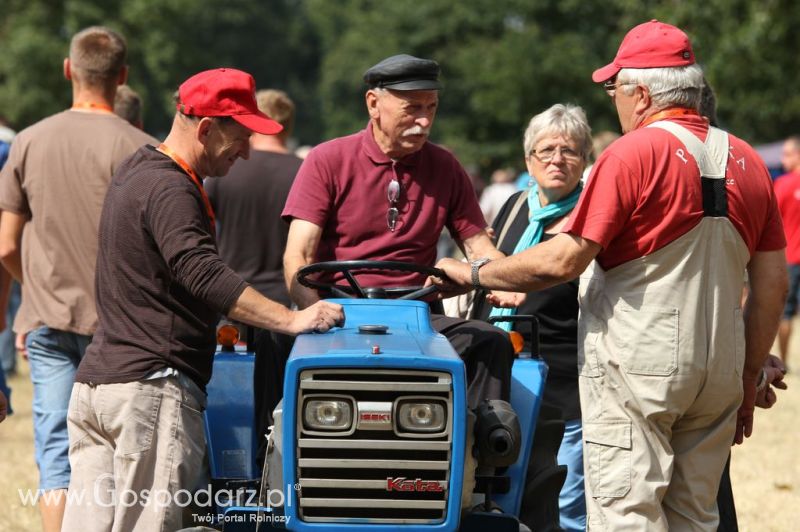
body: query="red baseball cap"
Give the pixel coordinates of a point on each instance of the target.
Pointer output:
(653, 44)
(225, 92)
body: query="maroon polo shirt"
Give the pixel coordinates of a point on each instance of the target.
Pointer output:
(342, 188)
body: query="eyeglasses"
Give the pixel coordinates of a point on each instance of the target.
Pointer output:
(610, 86)
(546, 155)
(393, 195)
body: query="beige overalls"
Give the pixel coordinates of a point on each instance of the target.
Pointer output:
(660, 354)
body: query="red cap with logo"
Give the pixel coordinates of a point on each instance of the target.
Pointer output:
(225, 92)
(653, 44)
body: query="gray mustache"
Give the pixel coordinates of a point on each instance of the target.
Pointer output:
(416, 130)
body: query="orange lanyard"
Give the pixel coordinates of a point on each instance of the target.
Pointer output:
(669, 113)
(166, 150)
(93, 106)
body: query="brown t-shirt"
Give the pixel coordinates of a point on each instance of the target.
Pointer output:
(57, 175)
(160, 282)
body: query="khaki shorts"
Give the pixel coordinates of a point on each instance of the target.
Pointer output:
(136, 450)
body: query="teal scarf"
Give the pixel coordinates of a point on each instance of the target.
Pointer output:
(538, 217)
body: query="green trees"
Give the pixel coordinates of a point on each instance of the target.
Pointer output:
(750, 53)
(505, 60)
(31, 80)
(502, 60)
(167, 40)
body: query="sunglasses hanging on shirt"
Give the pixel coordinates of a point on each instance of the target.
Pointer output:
(393, 195)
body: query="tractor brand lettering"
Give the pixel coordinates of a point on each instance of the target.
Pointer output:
(417, 484)
(375, 417)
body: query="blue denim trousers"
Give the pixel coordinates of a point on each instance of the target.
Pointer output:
(792, 298)
(8, 351)
(572, 499)
(54, 357)
(6, 391)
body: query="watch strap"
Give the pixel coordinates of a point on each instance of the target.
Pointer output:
(476, 266)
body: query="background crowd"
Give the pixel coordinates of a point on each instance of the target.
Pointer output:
(503, 61)
(474, 123)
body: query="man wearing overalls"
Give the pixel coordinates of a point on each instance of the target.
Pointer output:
(674, 214)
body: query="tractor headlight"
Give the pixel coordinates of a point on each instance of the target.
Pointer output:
(421, 415)
(328, 413)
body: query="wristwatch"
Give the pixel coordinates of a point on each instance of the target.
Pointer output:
(476, 265)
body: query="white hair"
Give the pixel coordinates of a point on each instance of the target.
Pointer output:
(564, 120)
(668, 86)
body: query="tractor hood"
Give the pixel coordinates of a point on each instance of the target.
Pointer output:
(378, 328)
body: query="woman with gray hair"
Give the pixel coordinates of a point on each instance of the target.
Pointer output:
(557, 143)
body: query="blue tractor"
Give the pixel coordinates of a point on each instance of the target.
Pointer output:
(374, 433)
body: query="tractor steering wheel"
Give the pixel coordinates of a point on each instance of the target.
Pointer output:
(348, 267)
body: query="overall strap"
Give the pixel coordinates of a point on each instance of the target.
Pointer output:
(712, 159)
(511, 217)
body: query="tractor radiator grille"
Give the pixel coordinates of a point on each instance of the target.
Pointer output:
(372, 474)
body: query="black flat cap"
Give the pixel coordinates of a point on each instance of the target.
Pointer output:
(404, 73)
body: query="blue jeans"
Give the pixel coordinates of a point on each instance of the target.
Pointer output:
(790, 309)
(6, 391)
(8, 351)
(54, 357)
(572, 499)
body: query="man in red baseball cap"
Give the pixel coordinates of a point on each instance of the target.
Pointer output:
(135, 421)
(648, 45)
(674, 214)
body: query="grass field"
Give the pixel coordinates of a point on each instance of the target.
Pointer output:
(765, 470)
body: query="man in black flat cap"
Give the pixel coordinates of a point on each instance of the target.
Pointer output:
(386, 193)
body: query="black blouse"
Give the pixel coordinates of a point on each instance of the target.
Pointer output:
(557, 311)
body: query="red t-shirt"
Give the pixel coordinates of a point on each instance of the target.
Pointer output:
(787, 191)
(645, 192)
(342, 187)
